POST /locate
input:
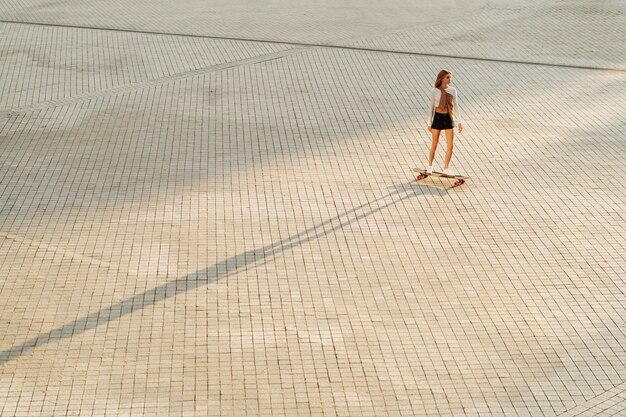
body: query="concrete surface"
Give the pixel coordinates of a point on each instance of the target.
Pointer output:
(207, 209)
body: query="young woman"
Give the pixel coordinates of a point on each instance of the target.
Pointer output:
(444, 115)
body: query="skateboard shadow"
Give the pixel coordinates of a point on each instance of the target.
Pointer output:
(433, 186)
(398, 193)
(421, 188)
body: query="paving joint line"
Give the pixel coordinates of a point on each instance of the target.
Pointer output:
(73, 255)
(584, 406)
(151, 82)
(325, 45)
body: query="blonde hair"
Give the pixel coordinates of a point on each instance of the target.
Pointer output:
(442, 74)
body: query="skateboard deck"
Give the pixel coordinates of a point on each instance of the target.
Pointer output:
(420, 174)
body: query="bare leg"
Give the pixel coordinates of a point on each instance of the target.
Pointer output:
(450, 143)
(433, 146)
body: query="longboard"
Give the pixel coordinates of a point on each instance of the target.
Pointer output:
(421, 174)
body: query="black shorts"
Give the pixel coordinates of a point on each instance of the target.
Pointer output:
(442, 121)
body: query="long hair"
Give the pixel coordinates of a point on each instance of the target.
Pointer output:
(442, 74)
(450, 100)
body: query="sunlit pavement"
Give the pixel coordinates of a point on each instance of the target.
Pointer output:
(208, 209)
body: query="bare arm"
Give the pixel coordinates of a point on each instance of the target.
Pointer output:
(429, 116)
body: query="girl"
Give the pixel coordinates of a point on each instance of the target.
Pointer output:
(443, 116)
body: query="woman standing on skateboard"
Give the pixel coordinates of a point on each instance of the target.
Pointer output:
(443, 115)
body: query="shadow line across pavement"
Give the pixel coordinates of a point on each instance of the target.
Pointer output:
(218, 271)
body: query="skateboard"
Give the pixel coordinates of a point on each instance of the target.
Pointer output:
(421, 174)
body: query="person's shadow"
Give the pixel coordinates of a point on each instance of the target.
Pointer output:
(400, 193)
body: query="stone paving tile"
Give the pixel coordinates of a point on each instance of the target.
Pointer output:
(296, 20)
(347, 283)
(566, 32)
(610, 403)
(81, 61)
(248, 240)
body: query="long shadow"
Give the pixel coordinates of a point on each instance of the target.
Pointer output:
(220, 270)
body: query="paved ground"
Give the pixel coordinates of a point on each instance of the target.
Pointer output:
(206, 209)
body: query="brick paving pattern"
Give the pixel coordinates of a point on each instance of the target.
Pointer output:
(192, 225)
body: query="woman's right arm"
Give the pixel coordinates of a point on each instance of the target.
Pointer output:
(431, 109)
